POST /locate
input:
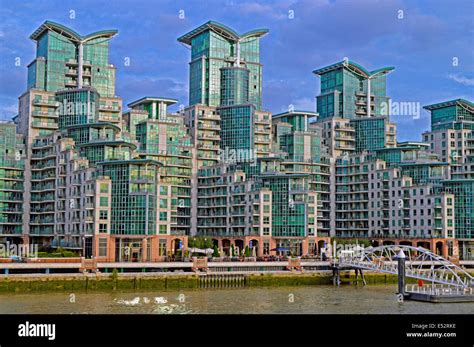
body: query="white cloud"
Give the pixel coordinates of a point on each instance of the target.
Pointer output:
(10, 109)
(305, 104)
(300, 104)
(462, 79)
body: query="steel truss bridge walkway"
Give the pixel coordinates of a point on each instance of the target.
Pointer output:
(420, 264)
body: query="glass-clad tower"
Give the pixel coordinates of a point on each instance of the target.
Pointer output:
(214, 46)
(12, 163)
(163, 137)
(353, 108)
(451, 137)
(453, 114)
(66, 59)
(345, 87)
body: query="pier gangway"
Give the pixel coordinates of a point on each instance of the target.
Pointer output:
(420, 264)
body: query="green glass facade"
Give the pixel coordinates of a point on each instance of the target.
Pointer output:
(344, 88)
(134, 196)
(289, 208)
(56, 64)
(175, 156)
(214, 46)
(463, 191)
(454, 114)
(369, 133)
(423, 173)
(234, 86)
(77, 107)
(11, 181)
(237, 127)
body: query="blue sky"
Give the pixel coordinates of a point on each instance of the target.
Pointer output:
(422, 46)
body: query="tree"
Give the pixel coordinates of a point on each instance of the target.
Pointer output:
(216, 252)
(200, 242)
(247, 251)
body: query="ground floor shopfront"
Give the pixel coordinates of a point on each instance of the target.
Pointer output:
(166, 247)
(139, 248)
(130, 248)
(265, 245)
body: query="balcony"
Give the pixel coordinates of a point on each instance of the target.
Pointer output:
(109, 108)
(44, 102)
(70, 72)
(210, 116)
(209, 126)
(261, 130)
(42, 155)
(203, 136)
(70, 83)
(106, 118)
(38, 124)
(44, 114)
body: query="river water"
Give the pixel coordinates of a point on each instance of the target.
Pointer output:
(319, 299)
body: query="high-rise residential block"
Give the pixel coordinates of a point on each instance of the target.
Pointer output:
(215, 46)
(81, 174)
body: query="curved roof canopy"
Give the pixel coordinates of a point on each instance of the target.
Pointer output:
(355, 68)
(222, 30)
(95, 126)
(295, 113)
(460, 102)
(71, 34)
(149, 99)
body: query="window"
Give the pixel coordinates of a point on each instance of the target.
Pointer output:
(104, 201)
(266, 208)
(266, 197)
(163, 216)
(163, 229)
(163, 203)
(102, 247)
(162, 248)
(163, 190)
(103, 214)
(104, 188)
(266, 247)
(102, 228)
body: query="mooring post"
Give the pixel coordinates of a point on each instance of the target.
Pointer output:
(336, 280)
(363, 278)
(401, 272)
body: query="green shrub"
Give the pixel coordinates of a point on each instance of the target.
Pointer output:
(216, 252)
(200, 242)
(247, 251)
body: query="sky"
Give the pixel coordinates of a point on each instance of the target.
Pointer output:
(430, 44)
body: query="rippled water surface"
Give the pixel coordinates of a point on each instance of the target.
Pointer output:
(301, 299)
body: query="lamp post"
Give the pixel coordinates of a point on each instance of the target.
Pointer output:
(401, 258)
